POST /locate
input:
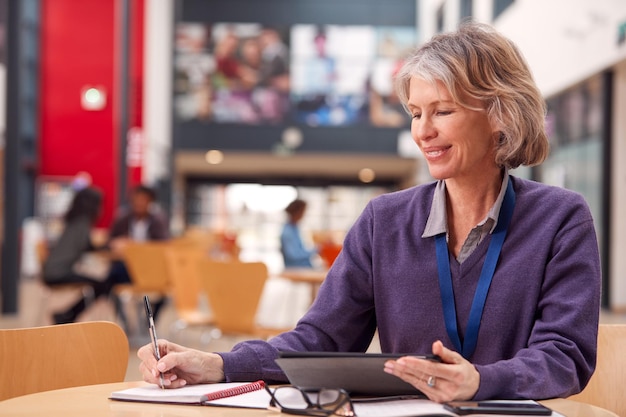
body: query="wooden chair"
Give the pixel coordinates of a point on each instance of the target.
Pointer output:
(606, 387)
(67, 355)
(186, 289)
(234, 290)
(147, 267)
(196, 237)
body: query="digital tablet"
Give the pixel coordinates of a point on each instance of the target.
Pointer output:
(358, 373)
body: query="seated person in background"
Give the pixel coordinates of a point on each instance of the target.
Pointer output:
(60, 266)
(141, 222)
(295, 255)
(497, 275)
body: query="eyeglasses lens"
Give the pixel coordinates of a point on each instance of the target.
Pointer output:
(291, 397)
(323, 403)
(330, 399)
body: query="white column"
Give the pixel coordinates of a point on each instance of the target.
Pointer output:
(157, 99)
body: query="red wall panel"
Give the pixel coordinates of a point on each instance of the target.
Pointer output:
(78, 49)
(79, 41)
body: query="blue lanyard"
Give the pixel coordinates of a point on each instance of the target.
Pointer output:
(480, 296)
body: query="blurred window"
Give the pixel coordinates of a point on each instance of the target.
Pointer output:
(466, 8)
(500, 6)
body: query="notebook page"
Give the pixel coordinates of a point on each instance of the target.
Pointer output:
(191, 394)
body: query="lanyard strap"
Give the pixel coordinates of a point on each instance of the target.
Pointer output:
(480, 296)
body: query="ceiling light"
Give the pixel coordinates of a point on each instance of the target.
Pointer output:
(214, 157)
(367, 175)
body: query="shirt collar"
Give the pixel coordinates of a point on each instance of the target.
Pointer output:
(437, 222)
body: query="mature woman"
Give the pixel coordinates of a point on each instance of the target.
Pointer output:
(497, 275)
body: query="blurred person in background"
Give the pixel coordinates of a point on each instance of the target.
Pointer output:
(295, 254)
(61, 265)
(142, 221)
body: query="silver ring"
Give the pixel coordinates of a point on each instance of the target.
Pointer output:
(431, 381)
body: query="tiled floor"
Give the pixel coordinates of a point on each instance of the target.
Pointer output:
(282, 304)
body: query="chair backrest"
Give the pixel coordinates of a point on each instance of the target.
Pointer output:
(233, 289)
(67, 355)
(607, 385)
(147, 266)
(203, 239)
(182, 262)
(329, 252)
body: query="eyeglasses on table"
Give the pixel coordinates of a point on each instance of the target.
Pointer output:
(316, 403)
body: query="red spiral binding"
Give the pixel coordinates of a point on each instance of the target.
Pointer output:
(231, 392)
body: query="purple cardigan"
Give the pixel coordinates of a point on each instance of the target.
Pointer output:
(538, 332)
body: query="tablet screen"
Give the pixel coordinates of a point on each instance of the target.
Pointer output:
(357, 373)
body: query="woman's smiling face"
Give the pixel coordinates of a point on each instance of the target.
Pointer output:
(457, 142)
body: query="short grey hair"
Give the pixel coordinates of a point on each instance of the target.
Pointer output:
(478, 62)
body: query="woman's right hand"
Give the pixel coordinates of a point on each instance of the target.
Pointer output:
(180, 365)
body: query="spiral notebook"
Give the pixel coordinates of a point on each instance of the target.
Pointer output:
(246, 395)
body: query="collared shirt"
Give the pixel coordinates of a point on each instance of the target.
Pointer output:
(139, 230)
(437, 222)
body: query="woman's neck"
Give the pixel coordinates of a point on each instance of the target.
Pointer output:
(467, 204)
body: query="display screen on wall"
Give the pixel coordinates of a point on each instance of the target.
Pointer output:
(304, 74)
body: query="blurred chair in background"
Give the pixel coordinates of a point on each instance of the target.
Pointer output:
(606, 387)
(328, 244)
(197, 237)
(329, 252)
(148, 270)
(67, 355)
(234, 290)
(189, 300)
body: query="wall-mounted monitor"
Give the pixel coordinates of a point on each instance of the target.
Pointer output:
(313, 75)
(247, 71)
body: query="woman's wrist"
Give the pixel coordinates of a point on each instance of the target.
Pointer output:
(213, 364)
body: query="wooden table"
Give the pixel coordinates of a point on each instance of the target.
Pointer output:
(92, 401)
(313, 277)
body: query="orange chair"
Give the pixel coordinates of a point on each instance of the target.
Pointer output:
(149, 275)
(186, 289)
(234, 290)
(606, 387)
(147, 267)
(66, 355)
(329, 252)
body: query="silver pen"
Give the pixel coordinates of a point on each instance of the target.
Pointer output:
(153, 335)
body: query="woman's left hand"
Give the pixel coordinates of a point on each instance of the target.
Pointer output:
(454, 378)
